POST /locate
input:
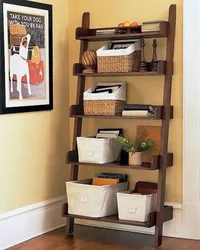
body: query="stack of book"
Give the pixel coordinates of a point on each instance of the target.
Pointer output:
(108, 179)
(108, 133)
(102, 32)
(152, 26)
(138, 110)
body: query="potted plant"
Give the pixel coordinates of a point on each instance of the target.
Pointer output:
(135, 149)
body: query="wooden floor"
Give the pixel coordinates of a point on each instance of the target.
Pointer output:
(88, 238)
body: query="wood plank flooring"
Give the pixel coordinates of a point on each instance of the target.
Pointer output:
(88, 238)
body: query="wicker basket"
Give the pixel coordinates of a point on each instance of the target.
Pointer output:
(103, 107)
(125, 63)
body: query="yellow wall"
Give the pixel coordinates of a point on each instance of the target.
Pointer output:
(33, 145)
(140, 89)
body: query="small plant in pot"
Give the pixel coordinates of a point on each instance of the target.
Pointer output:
(135, 149)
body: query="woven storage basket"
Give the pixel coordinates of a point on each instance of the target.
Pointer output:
(126, 63)
(111, 59)
(103, 107)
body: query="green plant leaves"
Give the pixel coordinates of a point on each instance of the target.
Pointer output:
(130, 147)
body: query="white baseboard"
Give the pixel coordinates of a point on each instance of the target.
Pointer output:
(28, 222)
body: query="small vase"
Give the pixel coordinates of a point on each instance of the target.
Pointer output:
(135, 159)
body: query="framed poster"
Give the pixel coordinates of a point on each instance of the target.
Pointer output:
(26, 65)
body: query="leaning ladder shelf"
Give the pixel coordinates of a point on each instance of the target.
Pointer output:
(164, 113)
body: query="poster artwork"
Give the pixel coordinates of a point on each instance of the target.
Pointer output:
(26, 50)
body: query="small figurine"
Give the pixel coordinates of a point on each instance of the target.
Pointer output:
(143, 64)
(154, 62)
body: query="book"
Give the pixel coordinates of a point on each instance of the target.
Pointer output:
(105, 32)
(139, 107)
(120, 177)
(152, 26)
(97, 181)
(152, 22)
(142, 113)
(101, 135)
(110, 131)
(150, 29)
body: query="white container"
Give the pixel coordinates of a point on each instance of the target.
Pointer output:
(135, 207)
(88, 200)
(97, 150)
(135, 159)
(106, 51)
(118, 94)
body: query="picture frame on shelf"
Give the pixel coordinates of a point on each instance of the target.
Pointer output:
(26, 56)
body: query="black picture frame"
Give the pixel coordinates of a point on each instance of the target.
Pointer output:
(45, 104)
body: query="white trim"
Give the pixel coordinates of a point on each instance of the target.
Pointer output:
(174, 205)
(30, 221)
(191, 119)
(31, 207)
(172, 228)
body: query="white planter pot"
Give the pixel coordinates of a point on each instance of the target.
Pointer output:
(135, 159)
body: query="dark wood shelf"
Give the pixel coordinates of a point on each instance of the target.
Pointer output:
(161, 69)
(151, 221)
(72, 158)
(135, 32)
(76, 111)
(165, 112)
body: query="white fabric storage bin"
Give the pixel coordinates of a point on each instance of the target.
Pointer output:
(118, 94)
(106, 51)
(97, 150)
(88, 200)
(135, 207)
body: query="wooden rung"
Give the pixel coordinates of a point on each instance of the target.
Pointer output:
(72, 158)
(151, 221)
(90, 34)
(161, 69)
(77, 111)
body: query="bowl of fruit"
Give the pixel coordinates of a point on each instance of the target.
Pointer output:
(128, 27)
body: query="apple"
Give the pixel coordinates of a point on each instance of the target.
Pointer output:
(127, 24)
(134, 24)
(121, 25)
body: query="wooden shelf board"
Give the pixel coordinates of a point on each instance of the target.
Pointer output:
(114, 117)
(161, 69)
(119, 74)
(168, 215)
(72, 158)
(132, 33)
(144, 166)
(123, 36)
(76, 111)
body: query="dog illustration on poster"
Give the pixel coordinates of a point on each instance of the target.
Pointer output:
(27, 56)
(19, 66)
